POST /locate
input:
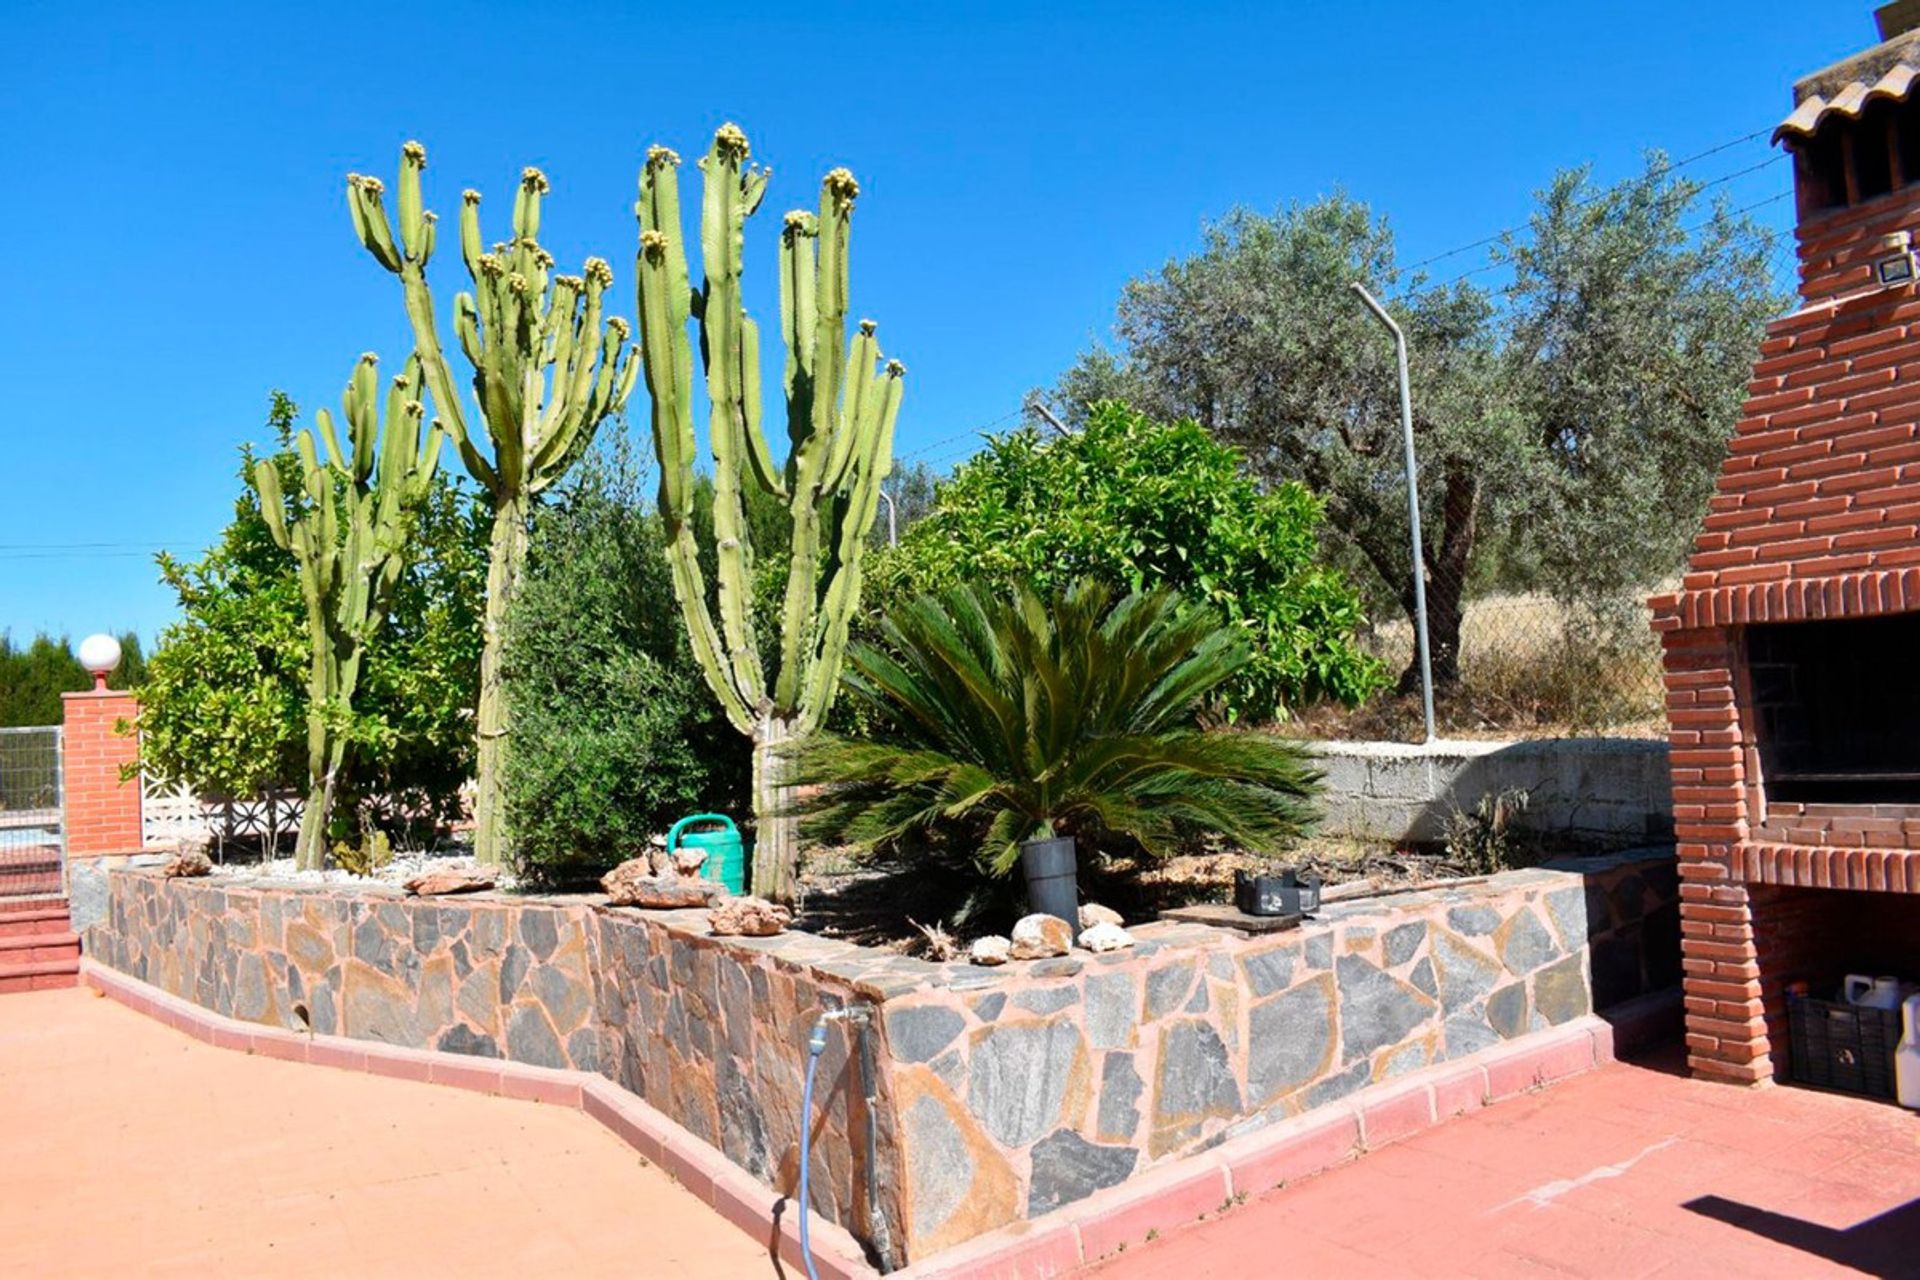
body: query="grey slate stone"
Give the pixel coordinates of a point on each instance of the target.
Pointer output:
(1467, 1034)
(1560, 991)
(531, 1040)
(1507, 1010)
(1288, 1039)
(940, 1168)
(1167, 986)
(987, 1008)
(1475, 921)
(538, 932)
(1111, 1010)
(513, 969)
(1270, 971)
(1525, 944)
(460, 1038)
(1120, 1086)
(1199, 1002)
(1567, 908)
(1066, 1168)
(918, 1034)
(1465, 973)
(1376, 1009)
(1017, 1075)
(1319, 952)
(1353, 1079)
(1196, 1078)
(1403, 941)
(583, 1046)
(1046, 999)
(1422, 978)
(566, 999)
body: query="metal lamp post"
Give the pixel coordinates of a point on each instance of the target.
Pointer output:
(1413, 508)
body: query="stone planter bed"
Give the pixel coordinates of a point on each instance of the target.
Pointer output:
(986, 1096)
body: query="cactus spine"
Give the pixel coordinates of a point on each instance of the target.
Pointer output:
(841, 403)
(349, 533)
(547, 370)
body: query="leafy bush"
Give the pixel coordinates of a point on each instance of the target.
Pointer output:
(1012, 716)
(1137, 503)
(223, 703)
(614, 732)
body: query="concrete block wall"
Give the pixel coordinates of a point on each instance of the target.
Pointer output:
(1607, 790)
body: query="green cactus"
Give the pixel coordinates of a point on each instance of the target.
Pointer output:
(547, 370)
(841, 405)
(349, 534)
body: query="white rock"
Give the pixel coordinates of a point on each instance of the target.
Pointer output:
(1105, 936)
(1040, 936)
(990, 950)
(1092, 913)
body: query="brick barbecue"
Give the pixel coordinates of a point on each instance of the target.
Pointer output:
(1792, 649)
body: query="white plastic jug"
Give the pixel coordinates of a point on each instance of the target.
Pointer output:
(1874, 993)
(1906, 1059)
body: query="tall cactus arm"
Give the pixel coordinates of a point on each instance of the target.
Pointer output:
(873, 456)
(273, 504)
(665, 305)
(814, 319)
(371, 224)
(722, 218)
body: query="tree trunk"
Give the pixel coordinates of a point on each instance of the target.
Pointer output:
(310, 852)
(1448, 559)
(506, 553)
(776, 830)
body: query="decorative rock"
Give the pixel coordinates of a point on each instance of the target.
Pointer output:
(688, 861)
(186, 864)
(1104, 936)
(454, 879)
(633, 884)
(1038, 936)
(990, 950)
(749, 918)
(1092, 913)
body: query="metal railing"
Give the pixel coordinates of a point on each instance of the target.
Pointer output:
(32, 842)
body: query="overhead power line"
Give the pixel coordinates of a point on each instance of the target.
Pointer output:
(1698, 156)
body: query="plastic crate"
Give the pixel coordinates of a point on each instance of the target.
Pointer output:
(1847, 1047)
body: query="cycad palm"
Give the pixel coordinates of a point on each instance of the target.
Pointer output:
(1073, 716)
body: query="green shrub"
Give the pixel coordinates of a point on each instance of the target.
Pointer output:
(1009, 717)
(223, 698)
(1137, 503)
(614, 732)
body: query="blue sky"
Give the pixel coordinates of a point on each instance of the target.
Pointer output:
(180, 243)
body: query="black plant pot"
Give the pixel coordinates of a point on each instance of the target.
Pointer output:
(1285, 893)
(1051, 867)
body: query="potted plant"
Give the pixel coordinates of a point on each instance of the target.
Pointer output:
(1029, 723)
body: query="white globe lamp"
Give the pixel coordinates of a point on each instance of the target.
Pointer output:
(100, 654)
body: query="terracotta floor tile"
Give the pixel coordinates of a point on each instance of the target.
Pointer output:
(128, 1150)
(1629, 1171)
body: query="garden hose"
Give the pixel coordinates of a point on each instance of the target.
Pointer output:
(816, 1045)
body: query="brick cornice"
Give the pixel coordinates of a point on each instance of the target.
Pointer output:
(1848, 595)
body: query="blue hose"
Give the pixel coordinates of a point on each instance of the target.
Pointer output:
(816, 1045)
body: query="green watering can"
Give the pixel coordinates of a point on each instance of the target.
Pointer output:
(726, 858)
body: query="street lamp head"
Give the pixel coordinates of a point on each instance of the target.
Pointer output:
(100, 654)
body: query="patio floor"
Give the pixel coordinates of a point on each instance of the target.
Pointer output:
(1633, 1170)
(127, 1149)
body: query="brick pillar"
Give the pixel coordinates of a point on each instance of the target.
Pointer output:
(102, 812)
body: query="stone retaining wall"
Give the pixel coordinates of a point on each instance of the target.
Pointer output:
(997, 1094)
(1611, 791)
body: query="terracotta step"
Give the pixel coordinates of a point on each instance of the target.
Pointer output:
(13, 902)
(35, 947)
(39, 975)
(26, 924)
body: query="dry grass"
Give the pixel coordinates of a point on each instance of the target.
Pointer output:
(1527, 669)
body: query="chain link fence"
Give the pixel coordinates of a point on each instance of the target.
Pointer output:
(1514, 665)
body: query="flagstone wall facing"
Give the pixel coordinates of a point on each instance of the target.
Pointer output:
(996, 1094)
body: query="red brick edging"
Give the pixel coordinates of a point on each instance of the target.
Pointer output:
(732, 1192)
(1213, 1181)
(1086, 1231)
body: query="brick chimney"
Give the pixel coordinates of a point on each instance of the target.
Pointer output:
(1793, 648)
